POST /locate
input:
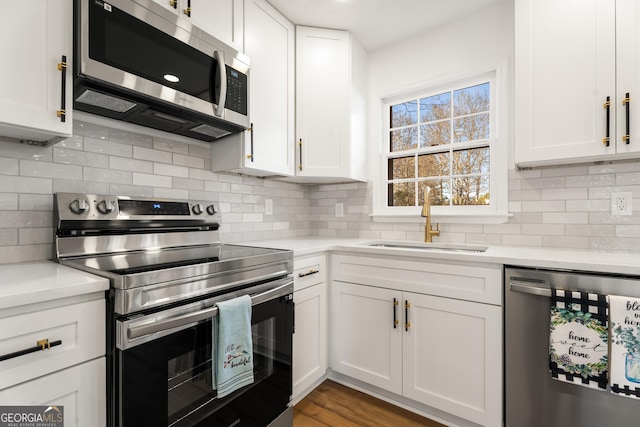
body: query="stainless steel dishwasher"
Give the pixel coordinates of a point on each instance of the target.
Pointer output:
(532, 397)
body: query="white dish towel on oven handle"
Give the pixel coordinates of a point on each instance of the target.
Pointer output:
(232, 345)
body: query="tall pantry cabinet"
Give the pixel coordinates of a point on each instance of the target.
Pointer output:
(577, 81)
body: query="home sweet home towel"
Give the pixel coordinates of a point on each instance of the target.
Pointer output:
(625, 346)
(233, 351)
(578, 349)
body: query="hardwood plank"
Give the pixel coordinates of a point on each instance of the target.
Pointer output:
(332, 404)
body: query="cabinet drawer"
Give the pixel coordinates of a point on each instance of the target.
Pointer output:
(80, 327)
(453, 280)
(81, 390)
(309, 271)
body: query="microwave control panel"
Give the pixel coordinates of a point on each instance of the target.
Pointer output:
(237, 90)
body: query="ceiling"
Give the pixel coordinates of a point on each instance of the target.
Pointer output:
(378, 23)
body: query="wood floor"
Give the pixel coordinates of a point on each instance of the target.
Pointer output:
(332, 404)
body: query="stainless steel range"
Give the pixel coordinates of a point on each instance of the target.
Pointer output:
(168, 268)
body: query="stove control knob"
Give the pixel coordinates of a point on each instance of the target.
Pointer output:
(79, 206)
(211, 210)
(197, 209)
(106, 206)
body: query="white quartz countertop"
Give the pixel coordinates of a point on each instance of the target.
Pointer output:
(557, 259)
(34, 282)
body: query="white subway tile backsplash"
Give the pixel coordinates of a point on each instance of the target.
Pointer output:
(9, 166)
(108, 175)
(170, 170)
(151, 180)
(8, 201)
(151, 155)
(50, 170)
(566, 207)
(107, 147)
(565, 218)
(82, 158)
(128, 164)
(20, 184)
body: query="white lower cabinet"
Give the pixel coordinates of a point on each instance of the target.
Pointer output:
(80, 390)
(70, 371)
(442, 352)
(310, 337)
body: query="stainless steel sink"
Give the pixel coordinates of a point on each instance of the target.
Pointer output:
(450, 247)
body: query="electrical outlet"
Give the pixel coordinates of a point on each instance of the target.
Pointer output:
(621, 203)
(268, 207)
(339, 210)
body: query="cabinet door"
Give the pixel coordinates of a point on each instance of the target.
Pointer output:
(565, 70)
(628, 77)
(310, 338)
(269, 43)
(80, 389)
(322, 102)
(36, 34)
(453, 357)
(223, 19)
(364, 342)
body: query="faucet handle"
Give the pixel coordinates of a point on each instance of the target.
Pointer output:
(426, 202)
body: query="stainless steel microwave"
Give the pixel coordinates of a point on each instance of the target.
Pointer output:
(136, 62)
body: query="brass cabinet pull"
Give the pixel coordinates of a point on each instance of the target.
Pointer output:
(607, 106)
(407, 323)
(41, 345)
(626, 101)
(187, 11)
(173, 3)
(62, 112)
(250, 156)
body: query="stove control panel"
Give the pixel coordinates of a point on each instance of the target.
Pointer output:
(74, 206)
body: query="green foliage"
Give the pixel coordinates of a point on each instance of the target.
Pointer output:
(628, 336)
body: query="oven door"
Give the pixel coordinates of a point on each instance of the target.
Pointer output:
(164, 368)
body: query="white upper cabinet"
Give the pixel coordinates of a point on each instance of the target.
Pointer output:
(268, 148)
(331, 85)
(575, 63)
(223, 19)
(37, 34)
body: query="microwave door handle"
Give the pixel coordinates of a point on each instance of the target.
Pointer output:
(222, 69)
(137, 331)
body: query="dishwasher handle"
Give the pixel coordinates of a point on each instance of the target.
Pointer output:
(528, 289)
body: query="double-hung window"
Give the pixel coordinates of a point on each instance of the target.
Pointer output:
(444, 138)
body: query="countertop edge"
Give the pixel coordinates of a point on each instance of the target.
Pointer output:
(532, 257)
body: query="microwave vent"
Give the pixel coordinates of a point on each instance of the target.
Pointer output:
(208, 130)
(111, 103)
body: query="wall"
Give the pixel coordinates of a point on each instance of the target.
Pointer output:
(104, 160)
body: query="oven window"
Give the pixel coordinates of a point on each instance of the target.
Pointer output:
(190, 376)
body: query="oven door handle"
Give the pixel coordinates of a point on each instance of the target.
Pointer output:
(137, 331)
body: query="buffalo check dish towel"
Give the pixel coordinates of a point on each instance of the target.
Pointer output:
(624, 377)
(233, 347)
(578, 338)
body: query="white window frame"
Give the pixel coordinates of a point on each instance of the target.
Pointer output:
(497, 212)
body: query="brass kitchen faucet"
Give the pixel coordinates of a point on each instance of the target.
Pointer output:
(426, 212)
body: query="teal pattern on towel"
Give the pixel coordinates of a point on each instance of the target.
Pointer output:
(233, 352)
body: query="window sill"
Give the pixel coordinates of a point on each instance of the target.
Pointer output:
(499, 218)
